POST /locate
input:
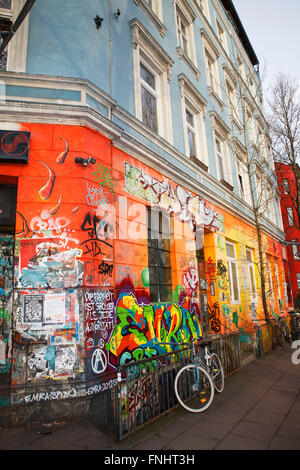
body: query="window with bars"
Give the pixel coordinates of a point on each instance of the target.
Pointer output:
(159, 255)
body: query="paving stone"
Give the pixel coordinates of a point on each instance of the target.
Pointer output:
(17, 440)
(284, 443)
(265, 417)
(155, 443)
(211, 430)
(191, 441)
(232, 442)
(261, 432)
(290, 426)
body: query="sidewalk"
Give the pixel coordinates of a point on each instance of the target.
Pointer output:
(259, 409)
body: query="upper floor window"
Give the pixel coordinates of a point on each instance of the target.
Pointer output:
(149, 96)
(286, 186)
(13, 58)
(290, 214)
(151, 82)
(193, 112)
(222, 35)
(185, 35)
(220, 157)
(296, 252)
(159, 255)
(5, 4)
(203, 5)
(153, 8)
(211, 55)
(221, 135)
(241, 68)
(298, 280)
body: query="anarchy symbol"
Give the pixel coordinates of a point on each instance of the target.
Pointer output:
(98, 361)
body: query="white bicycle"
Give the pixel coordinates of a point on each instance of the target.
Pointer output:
(196, 383)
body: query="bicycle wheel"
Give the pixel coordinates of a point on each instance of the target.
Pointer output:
(280, 335)
(217, 373)
(194, 388)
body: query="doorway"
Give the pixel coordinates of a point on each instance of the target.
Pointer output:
(8, 201)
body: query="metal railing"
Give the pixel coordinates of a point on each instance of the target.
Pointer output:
(145, 390)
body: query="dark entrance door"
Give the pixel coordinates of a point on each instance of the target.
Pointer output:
(8, 197)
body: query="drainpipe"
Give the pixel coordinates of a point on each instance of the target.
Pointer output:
(21, 17)
(109, 44)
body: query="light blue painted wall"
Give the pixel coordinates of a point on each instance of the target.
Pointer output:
(63, 41)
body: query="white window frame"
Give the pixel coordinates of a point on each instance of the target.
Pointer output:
(295, 248)
(240, 154)
(148, 52)
(250, 265)
(290, 215)
(233, 264)
(195, 103)
(221, 133)
(153, 8)
(241, 67)
(298, 280)
(277, 280)
(220, 156)
(261, 142)
(211, 55)
(154, 92)
(184, 18)
(286, 186)
(270, 280)
(222, 35)
(202, 5)
(17, 47)
(251, 126)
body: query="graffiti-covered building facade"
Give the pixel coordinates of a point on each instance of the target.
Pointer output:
(126, 213)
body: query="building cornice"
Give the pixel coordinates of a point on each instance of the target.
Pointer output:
(177, 167)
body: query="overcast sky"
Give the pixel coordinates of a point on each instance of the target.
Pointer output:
(272, 27)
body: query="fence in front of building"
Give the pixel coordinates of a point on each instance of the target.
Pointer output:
(146, 389)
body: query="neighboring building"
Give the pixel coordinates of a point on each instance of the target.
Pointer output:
(126, 207)
(288, 189)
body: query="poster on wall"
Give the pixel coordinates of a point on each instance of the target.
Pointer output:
(33, 308)
(54, 308)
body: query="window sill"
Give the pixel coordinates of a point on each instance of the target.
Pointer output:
(226, 184)
(157, 22)
(198, 162)
(182, 55)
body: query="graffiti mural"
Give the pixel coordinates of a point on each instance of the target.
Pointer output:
(189, 208)
(140, 329)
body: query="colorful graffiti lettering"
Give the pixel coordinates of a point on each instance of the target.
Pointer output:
(140, 328)
(188, 208)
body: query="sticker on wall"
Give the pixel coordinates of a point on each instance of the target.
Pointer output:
(14, 146)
